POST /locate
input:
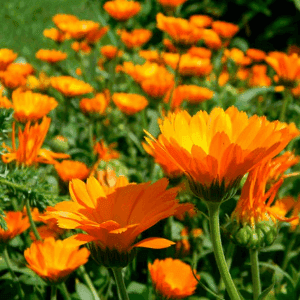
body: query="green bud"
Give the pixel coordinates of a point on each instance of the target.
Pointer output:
(59, 144)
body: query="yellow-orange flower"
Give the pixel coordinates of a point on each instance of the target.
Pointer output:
(172, 278)
(24, 69)
(55, 35)
(72, 169)
(12, 80)
(200, 52)
(78, 29)
(211, 39)
(215, 150)
(5, 103)
(170, 4)
(256, 54)
(29, 106)
(29, 151)
(7, 56)
(259, 76)
(224, 29)
(42, 83)
(237, 56)
(70, 86)
(122, 10)
(63, 18)
(16, 223)
(136, 38)
(81, 46)
(151, 55)
(129, 103)
(109, 51)
(54, 260)
(201, 21)
(96, 105)
(51, 56)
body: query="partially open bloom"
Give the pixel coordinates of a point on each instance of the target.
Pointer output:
(29, 106)
(7, 56)
(41, 83)
(211, 39)
(55, 35)
(129, 103)
(16, 223)
(201, 21)
(51, 56)
(172, 278)
(64, 18)
(96, 105)
(122, 10)
(71, 169)
(113, 221)
(135, 39)
(215, 150)
(54, 260)
(81, 46)
(224, 29)
(70, 86)
(170, 5)
(109, 51)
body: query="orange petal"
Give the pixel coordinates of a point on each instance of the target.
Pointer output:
(154, 243)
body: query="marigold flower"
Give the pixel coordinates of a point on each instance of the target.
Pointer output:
(72, 169)
(237, 56)
(211, 39)
(51, 56)
(29, 151)
(151, 56)
(96, 105)
(129, 103)
(81, 46)
(170, 5)
(12, 80)
(5, 103)
(64, 18)
(16, 223)
(24, 69)
(78, 29)
(95, 35)
(172, 278)
(122, 10)
(109, 51)
(200, 52)
(55, 35)
(136, 38)
(215, 150)
(256, 54)
(105, 152)
(7, 56)
(55, 268)
(224, 29)
(113, 221)
(42, 83)
(70, 86)
(201, 21)
(259, 76)
(29, 106)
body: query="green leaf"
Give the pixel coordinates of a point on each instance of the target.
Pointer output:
(297, 4)
(265, 292)
(83, 291)
(246, 295)
(137, 291)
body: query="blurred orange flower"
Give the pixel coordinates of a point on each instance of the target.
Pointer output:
(256, 54)
(172, 278)
(12, 80)
(105, 152)
(211, 39)
(51, 56)
(224, 29)
(7, 56)
(259, 77)
(200, 52)
(72, 169)
(64, 18)
(95, 35)
(122, 10)
(109, 51)
(237, 56)
(136, 38)
(55, 35)
(55, 268)
(42, 83)
(24, 69)
(170, 5)
(96, 105)
(5, 103)
(79, 28)
(201, 21)
(81, 46)
(129, 103)
(151, 56)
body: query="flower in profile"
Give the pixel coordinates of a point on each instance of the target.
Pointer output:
(64, 18)
(7, 56)
(70, 86)
(96, 105)
(78, 29)
(170, 5)
(237, 56)
(51, 56)
(224, 29)
(105, 152)
(109, 51)
(259, 77)
(56, 268)
(29, 151)
(215, 150)
(82, 46)
(12, 80)
(201, 21)
(129, 103)
(136, 38)
(29, 106)
(151, 56)
(200, 52)
(172, 278)
(113, 221)
(16, 223)
(41, 83)
(5, 103)
(122, 10)
(55, 35)
(211, 39)
(24, 69)
(256, 55)
(72, 169)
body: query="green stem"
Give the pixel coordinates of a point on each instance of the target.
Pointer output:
(120, 283)
(255, 273)
(32, 224)
(91, 133)
(53, 292)
(228, 257)
(64, 291)
(89, 282)
(16, 186)
(213, 209)
(12, 273)
(288, 97)
(287, 251)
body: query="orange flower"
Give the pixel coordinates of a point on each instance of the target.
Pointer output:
(96, 105)
(259, 76)
(211, 39)
(109, 51)
(29, 151)
(71, 169)
(122, 10)
(113, 221)
(135, 39)
(7, 56)
(5, 103)
(16, 223)
(70, 86)
(24, 69)
(41, 83)
(151, 55)
(81, 46)
(129, 103)
(54, 260)
(51, 56)
(180, 30)
(224, 29)
(201, 21)
(78, 29)
(172, 278)
(12, 80)
(55, 35)
(29, 106)
(95, 35)
(105, 152)
(63, 18)
(200, 52)
(215, 150)
(256, 54)
(237, 56)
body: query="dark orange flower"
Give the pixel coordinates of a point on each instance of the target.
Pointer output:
(95, 35)
(24, 69)
(215, 150)
(54, 260)
(70, 86)
(169, 46)
(122, 10)
(224, 29)
(200, 52)
(12, 80)
(29, 106)
(172, 278)
(16, 223)
(170, 5)
(211, 39)
(259, 76)
(109, 51)
(51, 56)
(105, 152)
(64, 18)
(78, 29)
(55, 35)
(5, 103)
(136, 38)
(7, 56)
(256, 54)
(237, 56)
(201, 21)
(29, 151)
(96, 105)
(129, 103)
(81, 46)
(71, 169)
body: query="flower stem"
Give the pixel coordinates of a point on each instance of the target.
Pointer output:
(89, 282)
(53, 292)
(213, 210)
(255, 273)
(120, 283)
(63, 289)
(32, 224)
(288, 97)
(12, 273)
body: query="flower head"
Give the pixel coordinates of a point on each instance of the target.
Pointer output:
(170, 5)
(55, 35)
(129, 103)
(135, 39)
(122, 10)
(51, 56)
(24, 69)
(109, 51)
(105, 152)
(7, 56)
(201, 21)
(256, 54)
(96, 105)
(12, 80)
(5, 103)
(71, 169)
(79, 28)
(224, 29)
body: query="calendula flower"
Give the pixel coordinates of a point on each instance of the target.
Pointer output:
(55, 35)
(256, 54)
(24, 69)
(172, 278)
(122, 10)
(56, 268)
(7, 56)
(200, 52)
(96, 35)
(211, 39)
(5, 103)
(105, 152)
(12, 80)
(41, 83)
(151, 56)
(16, 223)
(224, 29)
(237, 56)
(29, 151)
(70, 86)
(78, 29)
(259, 76)
(129, 103)
(170, 5)
(109, 51)
(71, 169)
(201, 21)
(51, 56)
(81, 46)
(96, 105)
(64, 18)
(215, 150)
(136, 38)
(29, 106)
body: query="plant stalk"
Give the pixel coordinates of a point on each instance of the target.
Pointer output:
(255, 273)
(32, 224)
(89, 282)
(53, 292)
(120, 283)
